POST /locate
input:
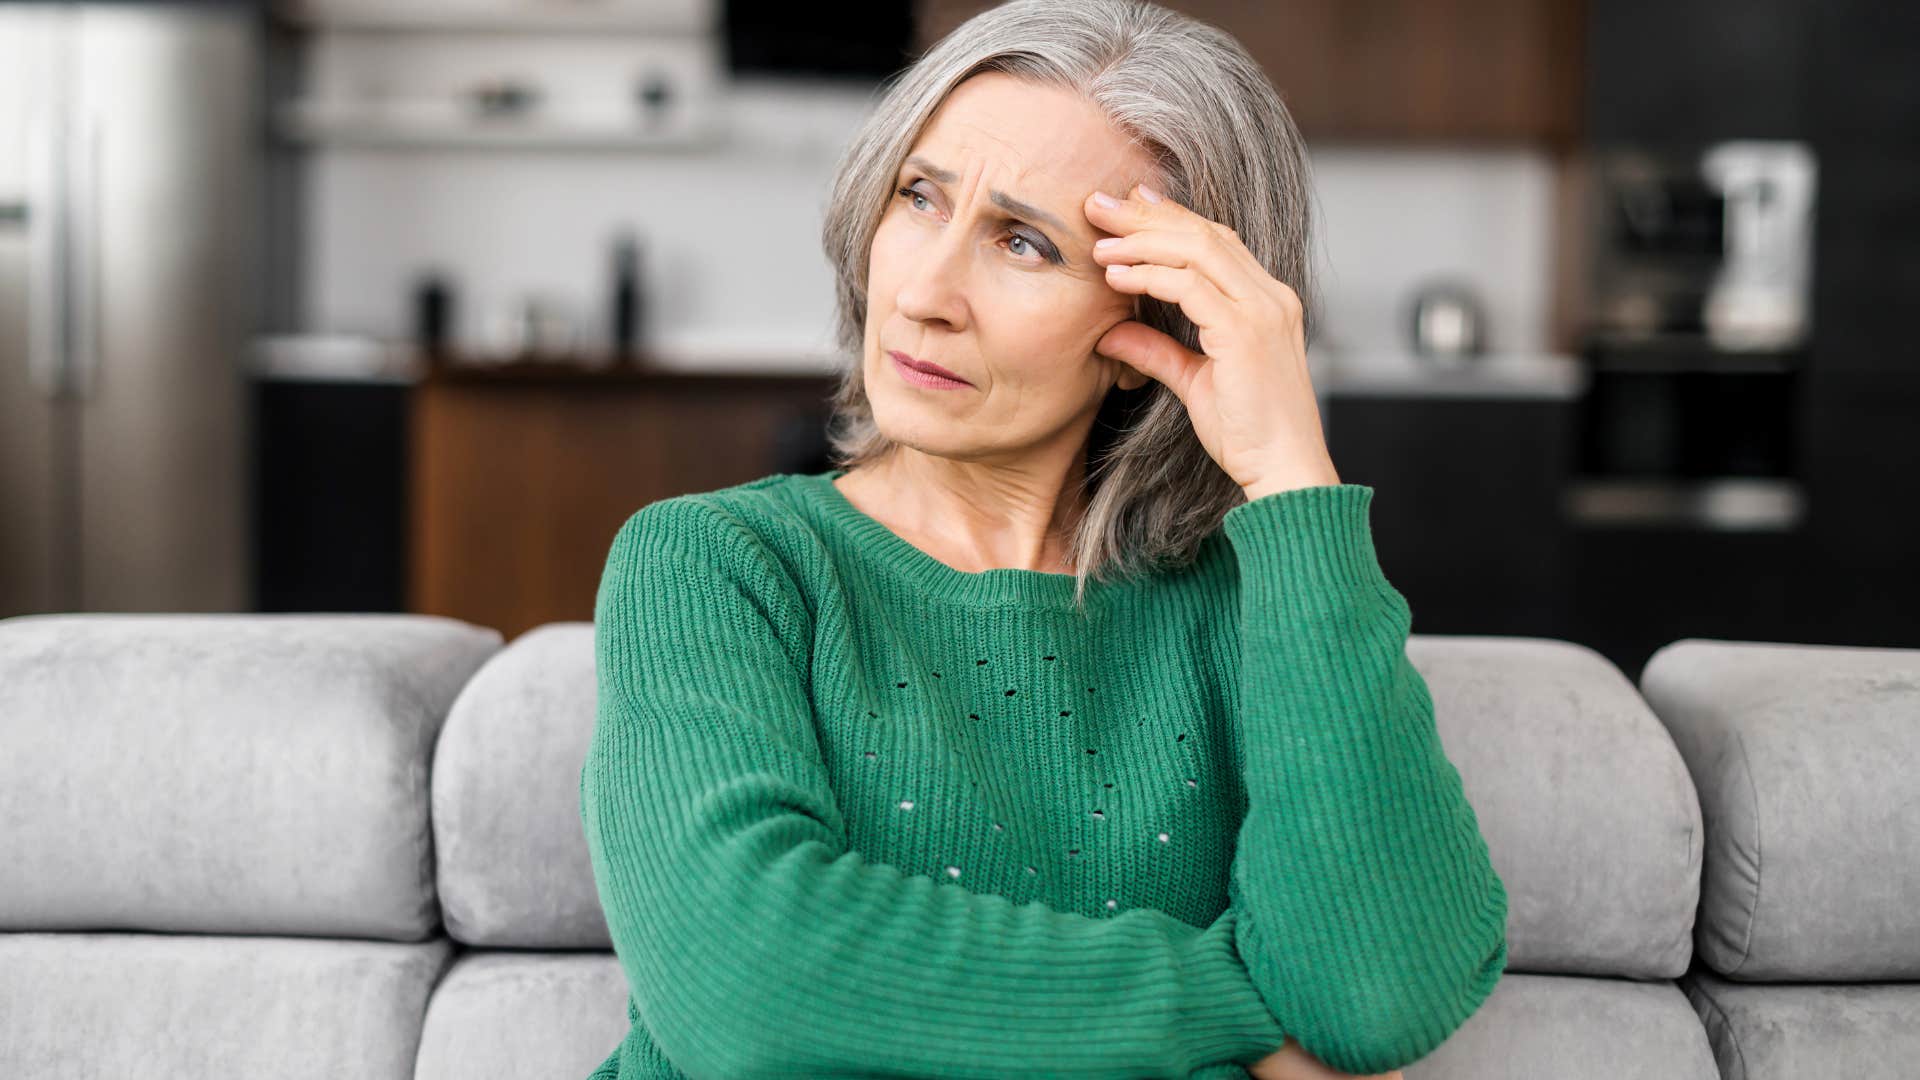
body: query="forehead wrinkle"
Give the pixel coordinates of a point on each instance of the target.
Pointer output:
(999, 198)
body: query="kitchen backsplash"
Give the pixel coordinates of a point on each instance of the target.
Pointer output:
(732, 265)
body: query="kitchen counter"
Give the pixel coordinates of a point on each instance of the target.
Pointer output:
(1539, 376)
(351, 358)
(1335, 372)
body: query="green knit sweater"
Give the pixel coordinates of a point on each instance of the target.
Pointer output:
(855, 812)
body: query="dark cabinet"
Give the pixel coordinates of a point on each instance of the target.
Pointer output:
(1844, 78)
(1702, 71)
(1863, 88)
(330, 495)
(1466, 511)
(1471, 520)
(1859, 582)
(1862, 406)
(1866, 262)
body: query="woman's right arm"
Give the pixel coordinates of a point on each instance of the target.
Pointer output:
(757, 943)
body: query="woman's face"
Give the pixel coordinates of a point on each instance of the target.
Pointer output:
(983, 264)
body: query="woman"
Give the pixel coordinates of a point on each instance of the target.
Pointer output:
(1066, 728)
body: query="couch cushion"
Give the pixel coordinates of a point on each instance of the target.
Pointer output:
(1805, 757)
(261, 774)
(512, 853)
(512, 1014)
(1574, 1028)
(1866, 1032)
(180, 1005)
(519, 1014)
(1589, 815)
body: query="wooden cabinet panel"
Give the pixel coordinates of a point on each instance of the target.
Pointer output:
(519, 485)
(1500, 70)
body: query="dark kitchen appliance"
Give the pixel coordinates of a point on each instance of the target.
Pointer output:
(1698, 338)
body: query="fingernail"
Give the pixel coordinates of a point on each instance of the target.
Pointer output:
(1149, 194)
(1105, 199)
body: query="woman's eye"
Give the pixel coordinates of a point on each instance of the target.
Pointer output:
(1038, 247)
(909, 194)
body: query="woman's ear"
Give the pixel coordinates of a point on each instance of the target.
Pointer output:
(1130, 377)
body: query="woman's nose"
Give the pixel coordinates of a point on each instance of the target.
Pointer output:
(934, 286)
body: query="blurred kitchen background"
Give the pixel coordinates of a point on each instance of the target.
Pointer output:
(405, 305)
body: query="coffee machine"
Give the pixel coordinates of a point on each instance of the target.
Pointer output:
(1697, 336)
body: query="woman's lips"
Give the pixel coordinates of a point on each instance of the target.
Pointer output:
(925, 378)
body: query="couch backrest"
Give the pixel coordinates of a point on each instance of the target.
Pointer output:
(1586, 805)
(234, 774)
(513, 866)
(270, 774)
(1807, 761)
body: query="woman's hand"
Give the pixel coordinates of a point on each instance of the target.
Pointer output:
(1248, 394)
(1292, 1062)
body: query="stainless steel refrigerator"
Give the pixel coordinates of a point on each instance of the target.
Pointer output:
(129, 169)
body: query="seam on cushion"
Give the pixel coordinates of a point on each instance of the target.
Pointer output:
(1759, 876)
(1726, 1025)
(1686, 858)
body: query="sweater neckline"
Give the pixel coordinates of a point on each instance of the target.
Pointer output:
(1001, 585)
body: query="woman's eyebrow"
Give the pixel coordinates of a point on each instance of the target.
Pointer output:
(999, 198)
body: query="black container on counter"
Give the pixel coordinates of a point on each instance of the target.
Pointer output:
(433, 313)
(626, 306)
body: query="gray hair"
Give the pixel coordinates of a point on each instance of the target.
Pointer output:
(1224, 146)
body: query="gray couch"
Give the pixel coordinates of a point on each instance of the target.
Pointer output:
(350, 846)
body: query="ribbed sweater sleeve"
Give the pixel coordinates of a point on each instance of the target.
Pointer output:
(756, 943)
(1370, 915)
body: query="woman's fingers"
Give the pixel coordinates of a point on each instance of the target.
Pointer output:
(1206, 251)
(1197, 295)
(1293, 1062)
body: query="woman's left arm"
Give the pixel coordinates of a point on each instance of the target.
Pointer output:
(1371, 914)
(1371, 917)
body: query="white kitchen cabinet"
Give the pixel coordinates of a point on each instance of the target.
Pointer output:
(649, 16)
(519, 73)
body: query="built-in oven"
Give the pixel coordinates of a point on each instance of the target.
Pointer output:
(1697, 338)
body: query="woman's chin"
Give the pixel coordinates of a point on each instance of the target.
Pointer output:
(935, 436)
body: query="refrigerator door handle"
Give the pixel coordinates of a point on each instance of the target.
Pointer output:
(46, 220)
(83, 254)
